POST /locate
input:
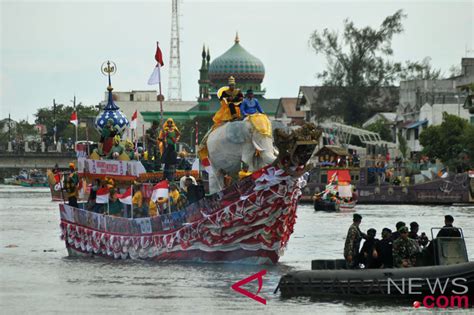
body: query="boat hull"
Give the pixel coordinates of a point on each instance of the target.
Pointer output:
(249, 222)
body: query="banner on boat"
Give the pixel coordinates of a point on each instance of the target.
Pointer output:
(110, 167)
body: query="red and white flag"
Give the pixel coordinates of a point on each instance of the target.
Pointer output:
(126, 197)
(207, 165)
(133, 122)
(155, 77)
(102, 196)
(160, 190)
(73, 119)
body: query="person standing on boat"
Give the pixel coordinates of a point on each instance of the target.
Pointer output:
(70, 185)
(405, 250)
(116, 149)
(152, 145)
(169, 136)
(413, 234)
(448, 229)
(398, 226)
(369, 255)
(384, 249)
(352, 245)
(106, 137)
(182, 180)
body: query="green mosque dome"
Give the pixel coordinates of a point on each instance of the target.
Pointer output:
(239, 63)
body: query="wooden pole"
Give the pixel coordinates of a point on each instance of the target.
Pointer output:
(131, 208)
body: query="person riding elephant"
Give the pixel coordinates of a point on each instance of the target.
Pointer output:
(169, 136)
(250, 105)
(106, 137)
(230, 98)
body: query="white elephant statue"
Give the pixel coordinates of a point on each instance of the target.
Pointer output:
(234, 142)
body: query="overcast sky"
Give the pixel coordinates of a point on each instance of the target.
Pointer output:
(55, 49)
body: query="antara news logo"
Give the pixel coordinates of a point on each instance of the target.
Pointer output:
(433, 293)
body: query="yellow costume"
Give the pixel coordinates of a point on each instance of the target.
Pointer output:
(230, 98)
(137, 199)
(152, 210)
(169, 135)
(174, 195)
(243, 174)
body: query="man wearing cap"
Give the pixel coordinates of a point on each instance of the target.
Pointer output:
(448, 229)
(352, 245)
(405, 250)
(152, 145)
(231, 97)
(396, 234)
(250, 105)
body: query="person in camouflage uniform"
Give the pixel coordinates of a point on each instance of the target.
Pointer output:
(352, 245)
(405, 250)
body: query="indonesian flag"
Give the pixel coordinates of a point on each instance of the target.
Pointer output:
(155, 77)
(133, 122)
(102, 196)
(126, 197)
(160, 190)
(73, 119)
(207, 165)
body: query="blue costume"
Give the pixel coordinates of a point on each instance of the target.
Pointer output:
(250, 106)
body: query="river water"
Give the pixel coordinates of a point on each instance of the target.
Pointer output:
(36, 276)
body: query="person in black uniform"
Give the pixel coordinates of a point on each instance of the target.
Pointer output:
(422, 239)
(448, 229)
(384, 249)
(369, 255)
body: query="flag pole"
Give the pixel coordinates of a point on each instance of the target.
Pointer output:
(131, 194)
(160, 96)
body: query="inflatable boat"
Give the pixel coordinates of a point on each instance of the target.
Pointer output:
(452, 276)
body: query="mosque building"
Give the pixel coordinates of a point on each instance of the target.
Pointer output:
(247, 70)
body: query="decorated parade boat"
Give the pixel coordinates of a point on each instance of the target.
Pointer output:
(28, 178)
(338, 194)
(248, 221)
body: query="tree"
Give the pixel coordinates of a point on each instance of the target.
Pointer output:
(451, 142)
(382, 129)
(403, 145)
(356, 64)
(60, 118)
(358, 70)
(419, 70)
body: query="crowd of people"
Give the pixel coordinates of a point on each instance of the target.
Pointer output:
(187, 191)
(400, 249)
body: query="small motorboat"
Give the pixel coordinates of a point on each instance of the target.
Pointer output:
(338, 195)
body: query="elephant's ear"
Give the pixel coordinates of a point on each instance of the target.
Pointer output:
(237, 132)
